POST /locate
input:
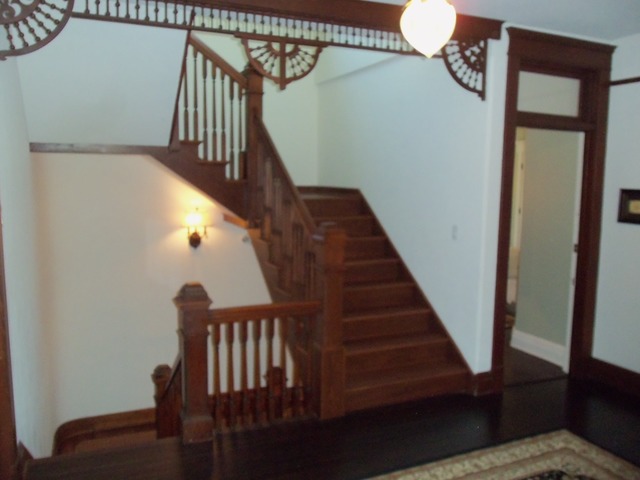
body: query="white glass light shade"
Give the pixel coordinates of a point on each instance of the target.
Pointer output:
(428, 24)
(194, 219)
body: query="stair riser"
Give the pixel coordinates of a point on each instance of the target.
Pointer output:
(330, 207)
(377, 272)
(390, 394)
(356, 299)
(420, 356)
(353, 226)
(366, 248)
(398, 325)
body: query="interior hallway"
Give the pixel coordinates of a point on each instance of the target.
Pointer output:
(373, 442)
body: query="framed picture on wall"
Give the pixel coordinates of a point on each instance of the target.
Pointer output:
(629, 210)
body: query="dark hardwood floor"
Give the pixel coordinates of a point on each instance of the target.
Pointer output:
(521, 368)
(373, 442)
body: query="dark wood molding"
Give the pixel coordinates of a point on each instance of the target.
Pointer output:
(553, 122)
(8, 441)
(486, 383)
(91, 148)
(613, 376)
(624, 81)
(70, 434)
(24, 456)
(591, 64)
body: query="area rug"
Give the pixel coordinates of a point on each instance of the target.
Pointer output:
(553, 456)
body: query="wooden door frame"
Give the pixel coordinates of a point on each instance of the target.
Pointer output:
(591, 64)
(8, 440)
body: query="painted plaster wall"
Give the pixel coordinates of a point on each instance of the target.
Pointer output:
(104, 83)
(116, 254)
(427, 155)
(617, 328)
(29, 331)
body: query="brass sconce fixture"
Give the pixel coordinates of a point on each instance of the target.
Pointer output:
(196, 227)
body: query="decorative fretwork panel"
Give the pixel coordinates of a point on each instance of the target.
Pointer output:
(29, 25)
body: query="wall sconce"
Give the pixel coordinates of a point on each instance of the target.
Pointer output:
(196, 227)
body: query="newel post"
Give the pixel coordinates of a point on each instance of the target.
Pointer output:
(254, 111)
(193, 312)
(328, 348)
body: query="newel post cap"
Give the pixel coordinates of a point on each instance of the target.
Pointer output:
(192, 296)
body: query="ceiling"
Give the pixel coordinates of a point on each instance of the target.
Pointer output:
(603, 20)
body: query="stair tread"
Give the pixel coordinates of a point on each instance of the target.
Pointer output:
(389, 311)
(393, 342)
(326, 218)
(398, 376)
(372, 261)
(380, 285)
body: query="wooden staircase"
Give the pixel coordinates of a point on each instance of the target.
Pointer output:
(396, 348)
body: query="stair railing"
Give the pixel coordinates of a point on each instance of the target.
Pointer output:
(259, 369)
(309, 261)
(211, 108)
(219, 112)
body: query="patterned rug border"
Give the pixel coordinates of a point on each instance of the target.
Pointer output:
(529, 458)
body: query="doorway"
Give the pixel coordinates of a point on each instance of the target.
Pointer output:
(542, 254)
(587, 65)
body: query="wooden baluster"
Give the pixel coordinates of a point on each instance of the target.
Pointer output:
(257, 384)
(242, 161)
(223, 120)
(214, 115)
(283, 401)
(205, 114)
(232, 157)
(193, 304)
(185, 103)
(196, 125)
(270, 387)
(244, 373)
(231, 421)
(218, 403)
(299, 377)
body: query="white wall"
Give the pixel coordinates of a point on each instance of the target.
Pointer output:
(105, 83)
(29, 331)
(427, 155)
(116, 254)
(617, 328)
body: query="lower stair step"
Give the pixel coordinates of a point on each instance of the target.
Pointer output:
(359, 248)
(374, 270)
(375, 390)
(378, 295)
(397, 321)
(418, 352)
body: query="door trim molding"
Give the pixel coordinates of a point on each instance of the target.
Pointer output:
(591, 64)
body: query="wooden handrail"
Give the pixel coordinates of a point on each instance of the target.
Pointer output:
(242, 314)
(219, 61)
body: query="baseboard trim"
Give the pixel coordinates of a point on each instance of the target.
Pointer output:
(613, 376)
(70, 434)
(541, 348)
